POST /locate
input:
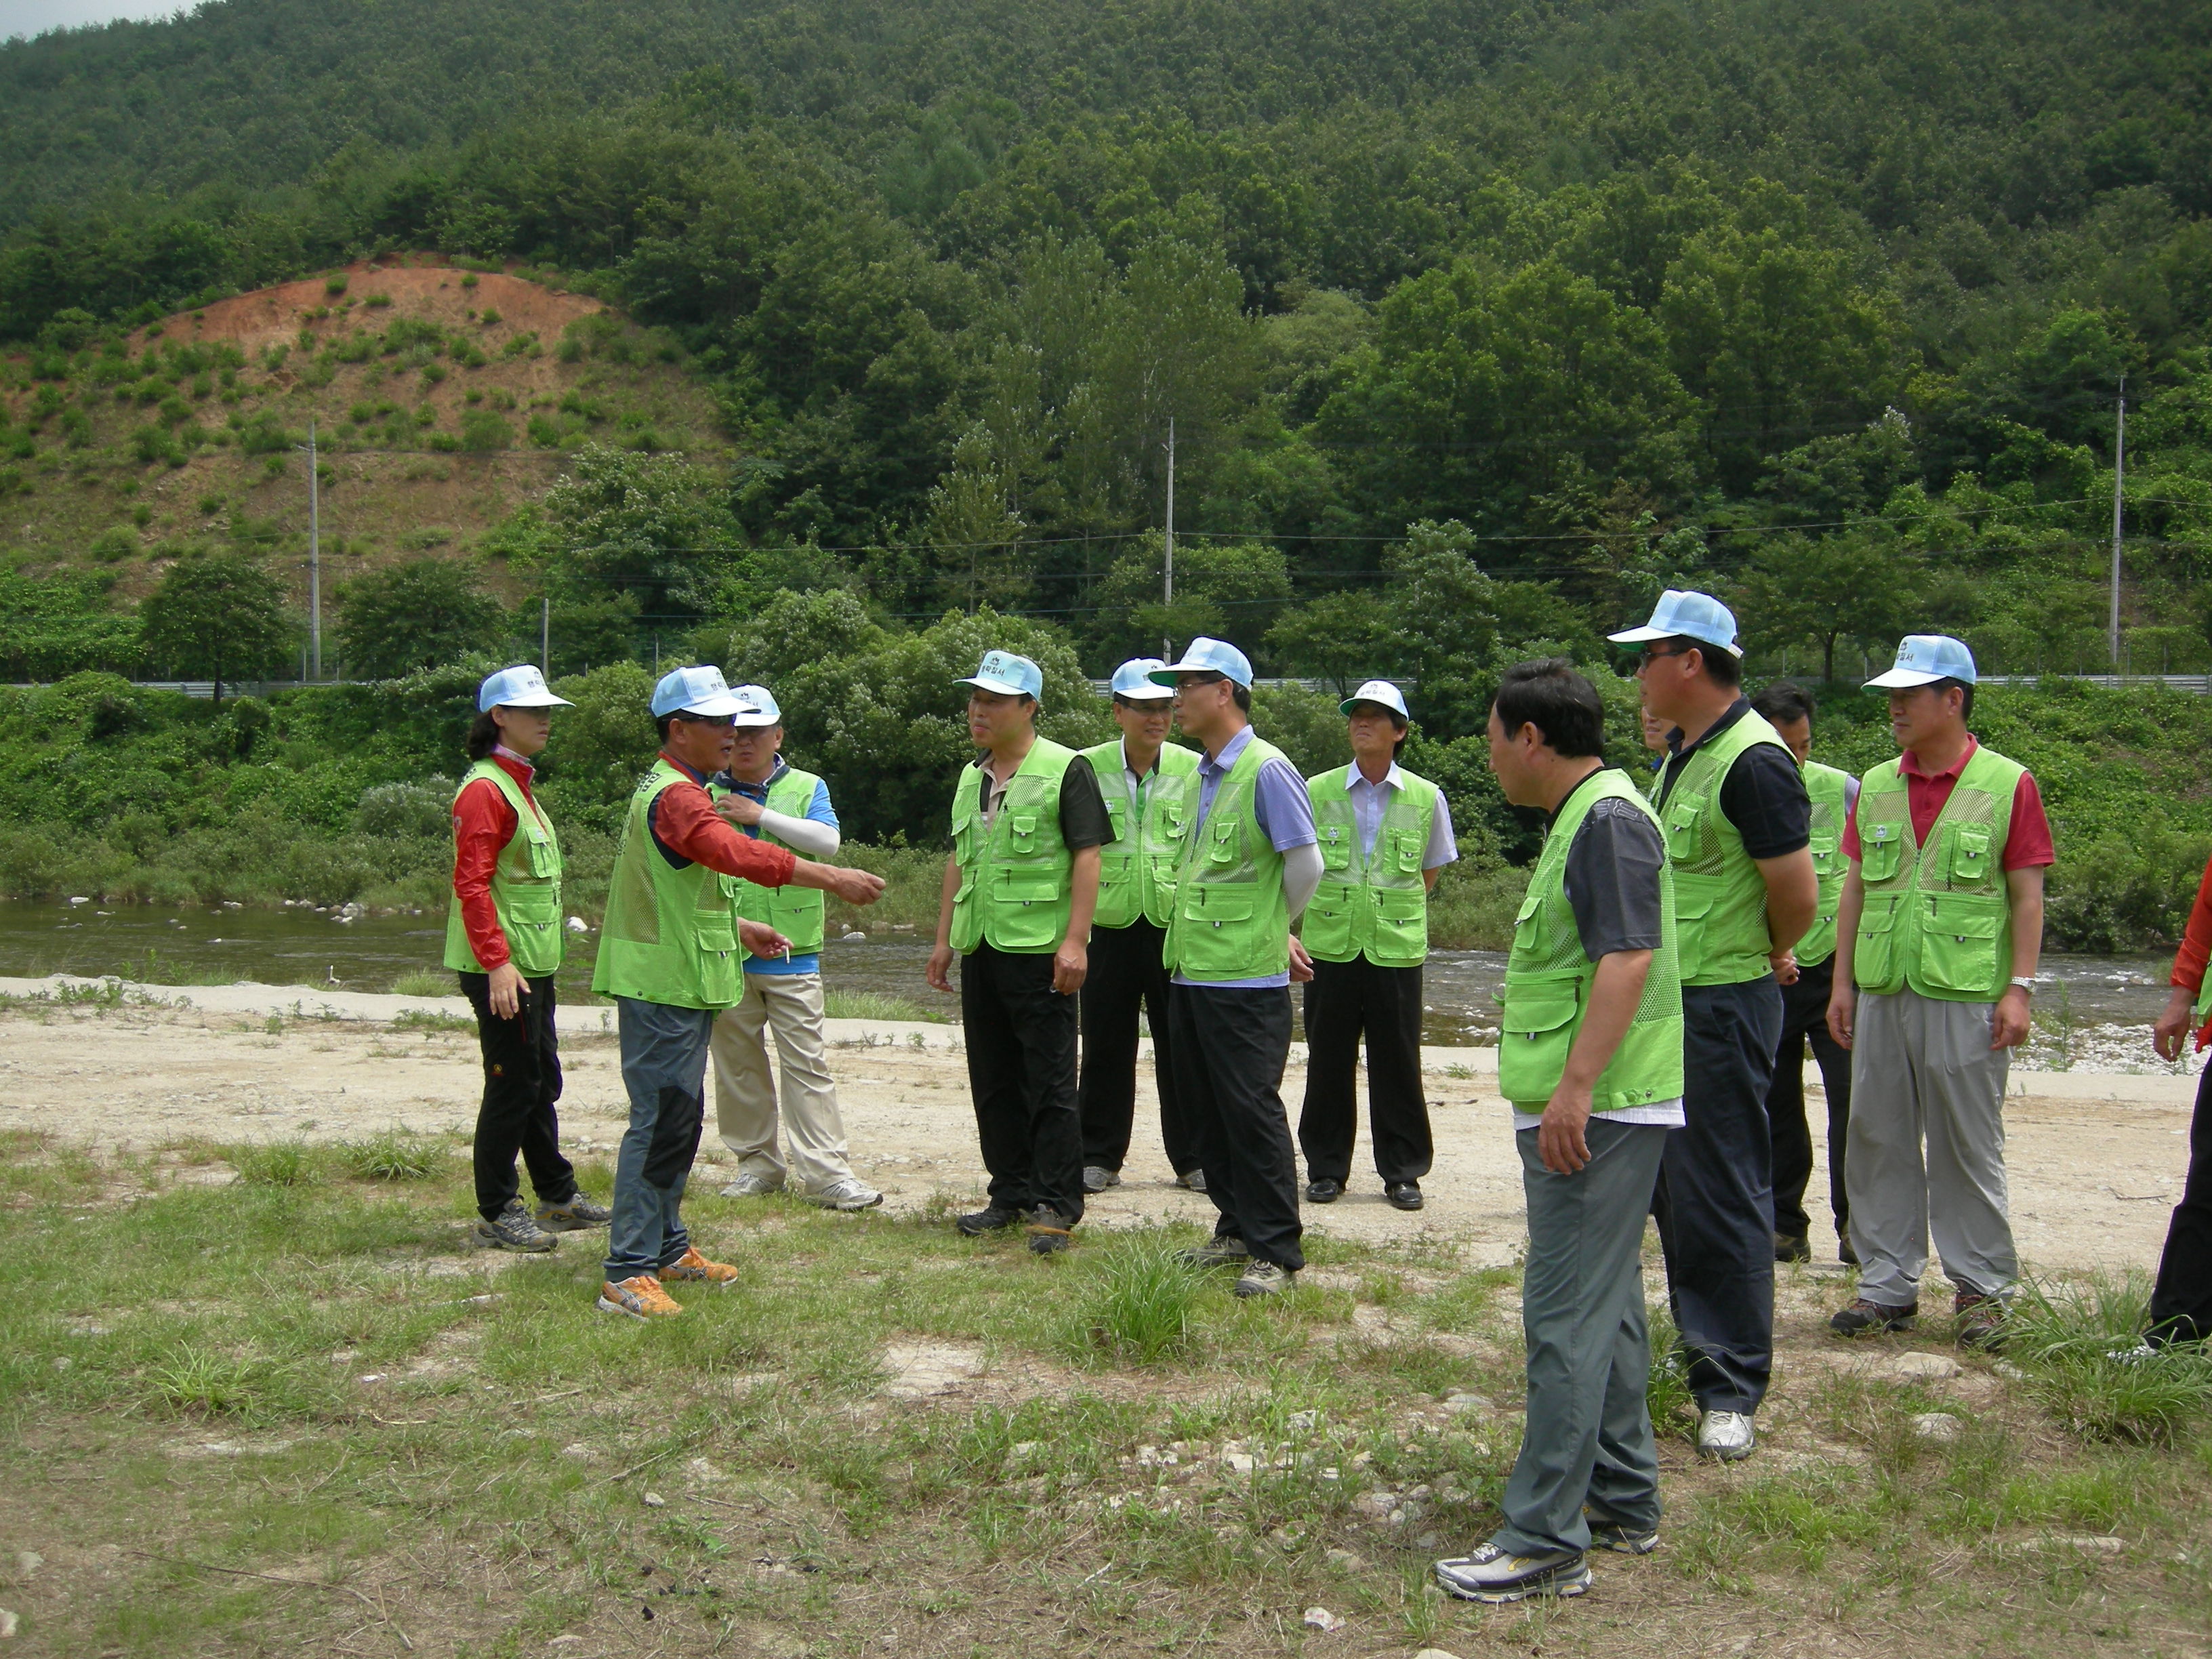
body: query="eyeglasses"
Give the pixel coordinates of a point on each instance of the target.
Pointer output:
(708, 720)
(1193, 682)
(1630, 667)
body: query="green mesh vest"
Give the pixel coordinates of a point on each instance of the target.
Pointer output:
(1719, 894)
(1136, 869)
(526, 887)
(1939, 917)
(1229, 920)
(798, 913)
(1372, 904)
(1830, 791)
(1548, 979)
(1013, 870)
(670, 936)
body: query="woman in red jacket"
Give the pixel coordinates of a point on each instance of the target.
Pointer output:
(2181, 1304)
(503, 936)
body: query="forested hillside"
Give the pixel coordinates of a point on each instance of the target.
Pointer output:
(1476, 324)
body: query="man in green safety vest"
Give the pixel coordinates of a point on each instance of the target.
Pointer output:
(768, 799)
(1733, 807)
(669, 954)
(1788, 707)
(1591, 1059)
(1247, 863)
(1146, 781)
(1019, 891)
(1384, 836)
(1937, 938)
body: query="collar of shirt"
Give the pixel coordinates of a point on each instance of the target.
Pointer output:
(1572, 790)
(1680, 750)
(696, 776)
(738, 785)
(1130, 766)
(1908, 763)
(1394, 778)
(516, 768)
(1219, 767)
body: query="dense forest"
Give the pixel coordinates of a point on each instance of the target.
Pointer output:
(1476, 324)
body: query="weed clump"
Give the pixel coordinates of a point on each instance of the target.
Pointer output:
(1141, 1307)
(280, 1164)
(2070, 1341)
(395, 1155)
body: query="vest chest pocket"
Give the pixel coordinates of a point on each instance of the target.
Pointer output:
(1405, 851)
(1336, 848)
(1022, 834)
(1684, 820)
(1881, 849)
(1969, 850)
(963, 838)
(1827, 852)
(1221, 846)
(544, 859)
(1528, 926)
(716, 932)
(1117, 816)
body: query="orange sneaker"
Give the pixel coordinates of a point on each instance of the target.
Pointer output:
(640, 1298)
(694, 1268)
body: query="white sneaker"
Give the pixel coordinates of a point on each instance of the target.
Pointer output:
(2142, 1354)
(749, 1185)
(1726, 1436)
(850, 1193)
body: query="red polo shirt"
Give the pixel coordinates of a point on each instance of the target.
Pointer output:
(2027, 845)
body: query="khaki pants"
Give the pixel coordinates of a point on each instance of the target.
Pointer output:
(789, 1006)
(1923, 1069)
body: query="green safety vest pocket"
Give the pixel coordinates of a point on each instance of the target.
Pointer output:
(1210, 942)
(1827, 850)
(1539, 1028)
(1026, 916)
(544, 859)
(1682, 820)
(1408, 850)
(963, 838)
(1958, 944)
(1022, 833)
(1969, 851)
(716, 932)
(1874, 955)
(1326, 929)
(1529, 925)
(1881, 848)
(1336, 848)
(1402, 915)
(535, 906)
(1222, 848)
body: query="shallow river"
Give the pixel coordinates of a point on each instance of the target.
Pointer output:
(304, 946)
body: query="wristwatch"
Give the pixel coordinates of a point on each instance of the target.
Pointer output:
(2027, 984)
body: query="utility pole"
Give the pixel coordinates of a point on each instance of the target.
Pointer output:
(314, 557)
(2119, 471)
(1167, 590)
(546, 634)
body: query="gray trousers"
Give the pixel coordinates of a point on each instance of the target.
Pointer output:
(1923, 1069)
(1588, 1439)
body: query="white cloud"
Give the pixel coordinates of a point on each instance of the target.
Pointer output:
(37, 16)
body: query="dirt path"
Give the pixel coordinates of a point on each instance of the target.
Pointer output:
(2096, 1163)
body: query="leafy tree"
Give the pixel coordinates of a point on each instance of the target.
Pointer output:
(628, 525)
(217, 614)
(1826, 589)
(1344, 637)
(415, 615)
(1232, 590)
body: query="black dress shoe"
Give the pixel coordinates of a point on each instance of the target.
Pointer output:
(1404, 1195)
(1792, 1246)
(1324, 1192)
(987, 1219)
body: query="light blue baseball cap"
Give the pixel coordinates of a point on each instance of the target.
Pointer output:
(520, 687)
(1383, 694)
(761, 707)
(1133, 679)
(1687, 615)
(694, 691)
(1924, 659)
(1204, 656)
(1008, 675)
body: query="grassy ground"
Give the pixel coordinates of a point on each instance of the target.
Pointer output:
(271, 1404)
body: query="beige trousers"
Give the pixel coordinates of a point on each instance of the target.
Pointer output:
(787, 1007)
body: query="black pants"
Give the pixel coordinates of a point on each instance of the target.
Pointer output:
(1125, 971)
(1343, 999)
(1229, 1050)
(1020, 1034)
(522, 1079)
(1805, 1019)
(1715, 1202)
(2181, 1302)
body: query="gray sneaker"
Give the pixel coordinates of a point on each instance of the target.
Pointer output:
(850, 1193)
(1194, 1179)
(1222, 1250)
(1096, 1177)
(1622, 1538)
(1491, 1575)
(512, 1228)
(573, 1214)
(1263, 1279)
(749, 1185)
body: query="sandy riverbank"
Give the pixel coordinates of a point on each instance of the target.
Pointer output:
(2096, 1161)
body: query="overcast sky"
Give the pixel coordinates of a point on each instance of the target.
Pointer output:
(37, 16)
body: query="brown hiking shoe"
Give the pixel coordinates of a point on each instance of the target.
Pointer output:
(1981, 1320)
(1865, 1318)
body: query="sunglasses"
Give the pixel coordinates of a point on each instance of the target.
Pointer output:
(1629, 667)
(708, 719)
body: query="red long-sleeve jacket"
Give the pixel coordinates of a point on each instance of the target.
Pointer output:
(2196, 948)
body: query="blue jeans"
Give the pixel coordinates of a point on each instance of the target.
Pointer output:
(663, 1067)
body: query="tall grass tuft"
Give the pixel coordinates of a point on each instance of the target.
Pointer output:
(279, 1164)
(2067, 1340)
(395, 1155)
(424, 983)
(1138, 1306)
(1667, 1390)
(190, 1379)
